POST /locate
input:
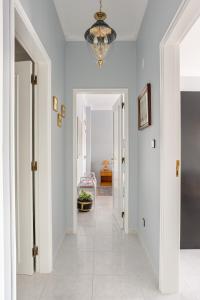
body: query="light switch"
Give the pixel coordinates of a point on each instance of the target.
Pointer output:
(153, 143)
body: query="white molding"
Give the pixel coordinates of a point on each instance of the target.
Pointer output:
(28, 37)
(21, 27)
(170, 145)
(99, 91)
(2, 232)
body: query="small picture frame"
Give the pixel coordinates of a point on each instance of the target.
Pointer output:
(55, 103)
(144, 108)
(59, 120)
(63, 111)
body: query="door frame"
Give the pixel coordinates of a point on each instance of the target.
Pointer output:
(2, 227)
(170, 145)
(19, 25)
(27, 36)
(99, 91)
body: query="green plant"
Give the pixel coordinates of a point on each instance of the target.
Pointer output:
(83, 196)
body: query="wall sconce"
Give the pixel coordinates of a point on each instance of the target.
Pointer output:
(63, 111)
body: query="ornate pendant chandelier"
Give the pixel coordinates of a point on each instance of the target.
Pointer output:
(100, 36)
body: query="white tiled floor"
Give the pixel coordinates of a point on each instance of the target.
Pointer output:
(100, 263)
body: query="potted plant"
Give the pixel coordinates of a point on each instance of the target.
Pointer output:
(84, 201)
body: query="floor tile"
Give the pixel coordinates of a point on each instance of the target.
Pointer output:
(68, 287)
(103, 263)
(30, 287)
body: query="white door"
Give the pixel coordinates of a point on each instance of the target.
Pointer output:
(118, 162)
(24, 184)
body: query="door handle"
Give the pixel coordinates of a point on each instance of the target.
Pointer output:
(177, 168)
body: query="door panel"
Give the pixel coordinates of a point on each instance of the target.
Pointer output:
(190, 170)
(24, 188)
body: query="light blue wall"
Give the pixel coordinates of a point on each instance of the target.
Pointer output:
(101, 139)
(118, 72)
(158, 16)
(44, 18)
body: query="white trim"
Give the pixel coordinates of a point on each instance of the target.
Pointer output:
(99, 91)
(28, 37)
(170, 144)
(33, 44)
(2, 276)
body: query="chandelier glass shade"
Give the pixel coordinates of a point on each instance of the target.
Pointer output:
(100, 36)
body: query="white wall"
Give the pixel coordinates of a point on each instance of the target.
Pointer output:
(101, 139)
(190, 59)
(119, 71)
(189, 83)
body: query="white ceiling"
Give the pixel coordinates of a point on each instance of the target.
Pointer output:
(125, 16)
(190, 52)
(101, 101)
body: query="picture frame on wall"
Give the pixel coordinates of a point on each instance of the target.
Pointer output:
(55, 104)
(144, 108)
(59, 120)
(63, 111)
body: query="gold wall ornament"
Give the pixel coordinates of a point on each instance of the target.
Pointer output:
(55, 103)
(63, 111)
(59, 120)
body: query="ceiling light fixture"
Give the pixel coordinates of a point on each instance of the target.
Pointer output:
(100, 36)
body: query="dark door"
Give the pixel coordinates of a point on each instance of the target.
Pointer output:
(190, 176)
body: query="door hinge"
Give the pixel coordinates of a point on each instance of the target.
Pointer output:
(34, 79)
(34, 166)
(123, 160)
(35, 251)
(123, 105)
(123, 214)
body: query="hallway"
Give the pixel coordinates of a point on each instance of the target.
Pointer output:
(100, 263)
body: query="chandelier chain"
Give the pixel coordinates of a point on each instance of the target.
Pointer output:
(100, 5)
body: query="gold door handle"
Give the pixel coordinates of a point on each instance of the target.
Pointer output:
(177, 168)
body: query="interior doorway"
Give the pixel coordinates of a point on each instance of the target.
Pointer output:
(190, 155)
(170, 153)
(101, 149)
(25, 158)
(22, 29)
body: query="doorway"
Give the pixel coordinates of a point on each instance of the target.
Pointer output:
(21, 28)
(104, 152)
(25, 157)
(190, 155)
(170, 152)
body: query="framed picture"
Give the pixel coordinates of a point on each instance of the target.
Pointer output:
(59, 120)
(144, 108)
(55, 103)
(63, 110)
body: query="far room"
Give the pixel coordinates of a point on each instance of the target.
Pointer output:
(101, 150)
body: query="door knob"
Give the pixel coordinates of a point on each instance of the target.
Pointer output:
(177, 168)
